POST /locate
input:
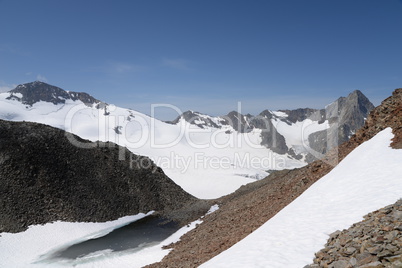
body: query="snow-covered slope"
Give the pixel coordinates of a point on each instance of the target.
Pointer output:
(366, 180)
(206, 161)
(297, 133)
(207, 156)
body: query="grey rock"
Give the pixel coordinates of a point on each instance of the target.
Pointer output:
(339, 264)
(374, 242)
(346, 115)
(271, 138)
(375, 264)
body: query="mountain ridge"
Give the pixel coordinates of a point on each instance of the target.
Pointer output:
(345, 115)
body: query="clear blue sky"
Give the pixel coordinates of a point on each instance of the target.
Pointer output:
(205, 55)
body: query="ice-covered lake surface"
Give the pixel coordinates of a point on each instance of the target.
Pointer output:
(70, 244)
(137, 235)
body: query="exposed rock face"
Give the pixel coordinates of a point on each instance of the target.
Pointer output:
(352, 113)
(303, 114)
(44, 177)
(270, 135)
(239, 122)
(251, 206)
(345, 115)
(374, 242)
(40, 91)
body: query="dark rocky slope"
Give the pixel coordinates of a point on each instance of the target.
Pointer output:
(44, 178)
(374, 242)
(252, 205)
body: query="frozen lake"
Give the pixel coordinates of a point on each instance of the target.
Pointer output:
(142, 233)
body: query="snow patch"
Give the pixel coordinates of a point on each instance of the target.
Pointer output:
(18, 95)
(279, 114)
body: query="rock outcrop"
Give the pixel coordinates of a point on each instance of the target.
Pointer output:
(345, 115)
(302, 114)
(270, 137)
(374, 242)
(45, 177)
(238, 121)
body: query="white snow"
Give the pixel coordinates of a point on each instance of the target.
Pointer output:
(204, 162)
(297, 133)
(18, 95)
(366, 180)
(280, 114)
(32, 247)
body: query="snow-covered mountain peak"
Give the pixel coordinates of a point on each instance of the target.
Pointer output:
(201, 120)
(33, 92)
(266, 114)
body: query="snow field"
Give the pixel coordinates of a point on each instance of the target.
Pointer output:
(207, 163)
(366, 180)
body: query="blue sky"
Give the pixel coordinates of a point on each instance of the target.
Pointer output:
(205, 55)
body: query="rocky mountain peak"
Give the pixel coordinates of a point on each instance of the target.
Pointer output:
(239, 121)
(345, 116)
(200, 120)
(364, 103)
(33, 92)
(357, 94)
(266, 114)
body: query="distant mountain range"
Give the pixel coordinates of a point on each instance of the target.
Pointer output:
(334, 124)
(187, 147)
